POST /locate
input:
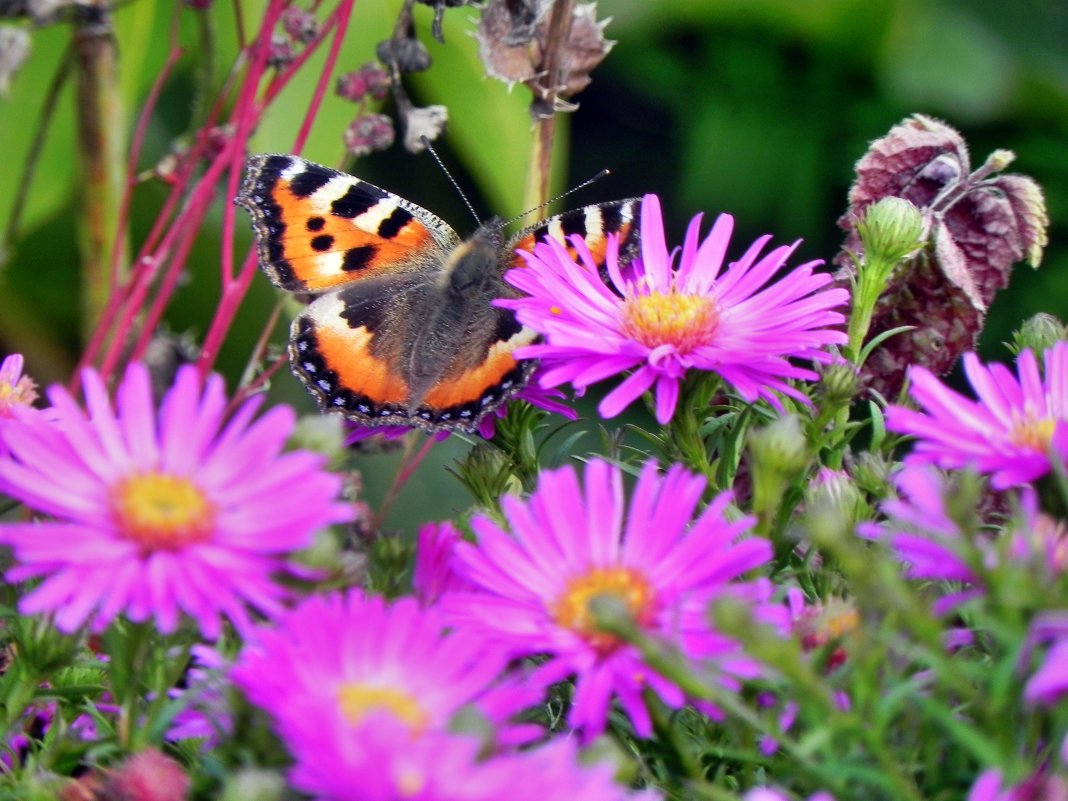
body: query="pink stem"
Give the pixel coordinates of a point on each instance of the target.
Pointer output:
(234, 290)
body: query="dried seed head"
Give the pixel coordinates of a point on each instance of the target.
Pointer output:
(409, 54)
(370, 80)
(368, 133)
(978, 225)
(300, 25)
(428, 121)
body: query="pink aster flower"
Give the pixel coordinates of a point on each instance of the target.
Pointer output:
(17, 394)
(990, 786)
(568, 547)
(385, 764)
(1012, 431)
(363, 693)
(205, 713)
(661, 320)
(158, 515)
(16, 390)
(433, 575)
(1049, 683)
(924, 534)
(938, 546)
(768, 794)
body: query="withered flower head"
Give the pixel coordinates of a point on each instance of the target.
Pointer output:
(978, 224)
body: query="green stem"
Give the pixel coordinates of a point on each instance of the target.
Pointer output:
(101, 144)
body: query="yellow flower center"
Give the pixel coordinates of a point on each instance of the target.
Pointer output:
(572, 609)
(684, 321)
(162, 512)
(359, 700)
(1033, 432)
(22, 393)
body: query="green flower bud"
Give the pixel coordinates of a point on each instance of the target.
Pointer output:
(833, 502)
(1039, 334)
(891, 229)
(872, 474)
(838, 383)
(778, 453)
(254, 784)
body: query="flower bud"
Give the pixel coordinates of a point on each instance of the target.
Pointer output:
(780, 446)
(254, 784)
(777, 454)
(890, 230)
(147, 776)
(280, 52)
(368, 133)
(410, 55)
(839, 382)
(834, 499)
(872, 474)
(370, 79)
(1039, 334)
(300, 25)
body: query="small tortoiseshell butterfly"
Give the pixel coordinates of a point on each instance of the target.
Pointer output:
(403, 331)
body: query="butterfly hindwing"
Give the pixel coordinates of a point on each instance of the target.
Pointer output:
(345, 347)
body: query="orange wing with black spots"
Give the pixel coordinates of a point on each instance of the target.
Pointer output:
(318, 229)
(594, 224)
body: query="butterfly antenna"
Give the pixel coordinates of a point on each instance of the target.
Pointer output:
(561, 196)
(444, 169)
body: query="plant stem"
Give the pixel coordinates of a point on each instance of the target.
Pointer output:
(101, 144)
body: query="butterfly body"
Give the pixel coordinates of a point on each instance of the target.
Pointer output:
(403, 331)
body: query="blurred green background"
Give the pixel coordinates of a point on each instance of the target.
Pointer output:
(758, 108)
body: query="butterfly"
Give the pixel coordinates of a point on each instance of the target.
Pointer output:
(403, 331)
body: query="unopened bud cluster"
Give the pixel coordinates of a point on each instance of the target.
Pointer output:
(299, 28)
(370, 131)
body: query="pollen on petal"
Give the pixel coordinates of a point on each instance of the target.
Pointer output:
(1033, 432)
(357, 700)
(682, 321)
(162, 512)
(572, 609)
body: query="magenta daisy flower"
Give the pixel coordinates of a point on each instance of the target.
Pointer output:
(661, 321)
(385, 764)
(991, 786)
(17, 395)
(1049, 684)
(17, 391)
(158, 515)
(433, 575)
(925, 535)
(568, 547)
(363, 691)
(1012, 431)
